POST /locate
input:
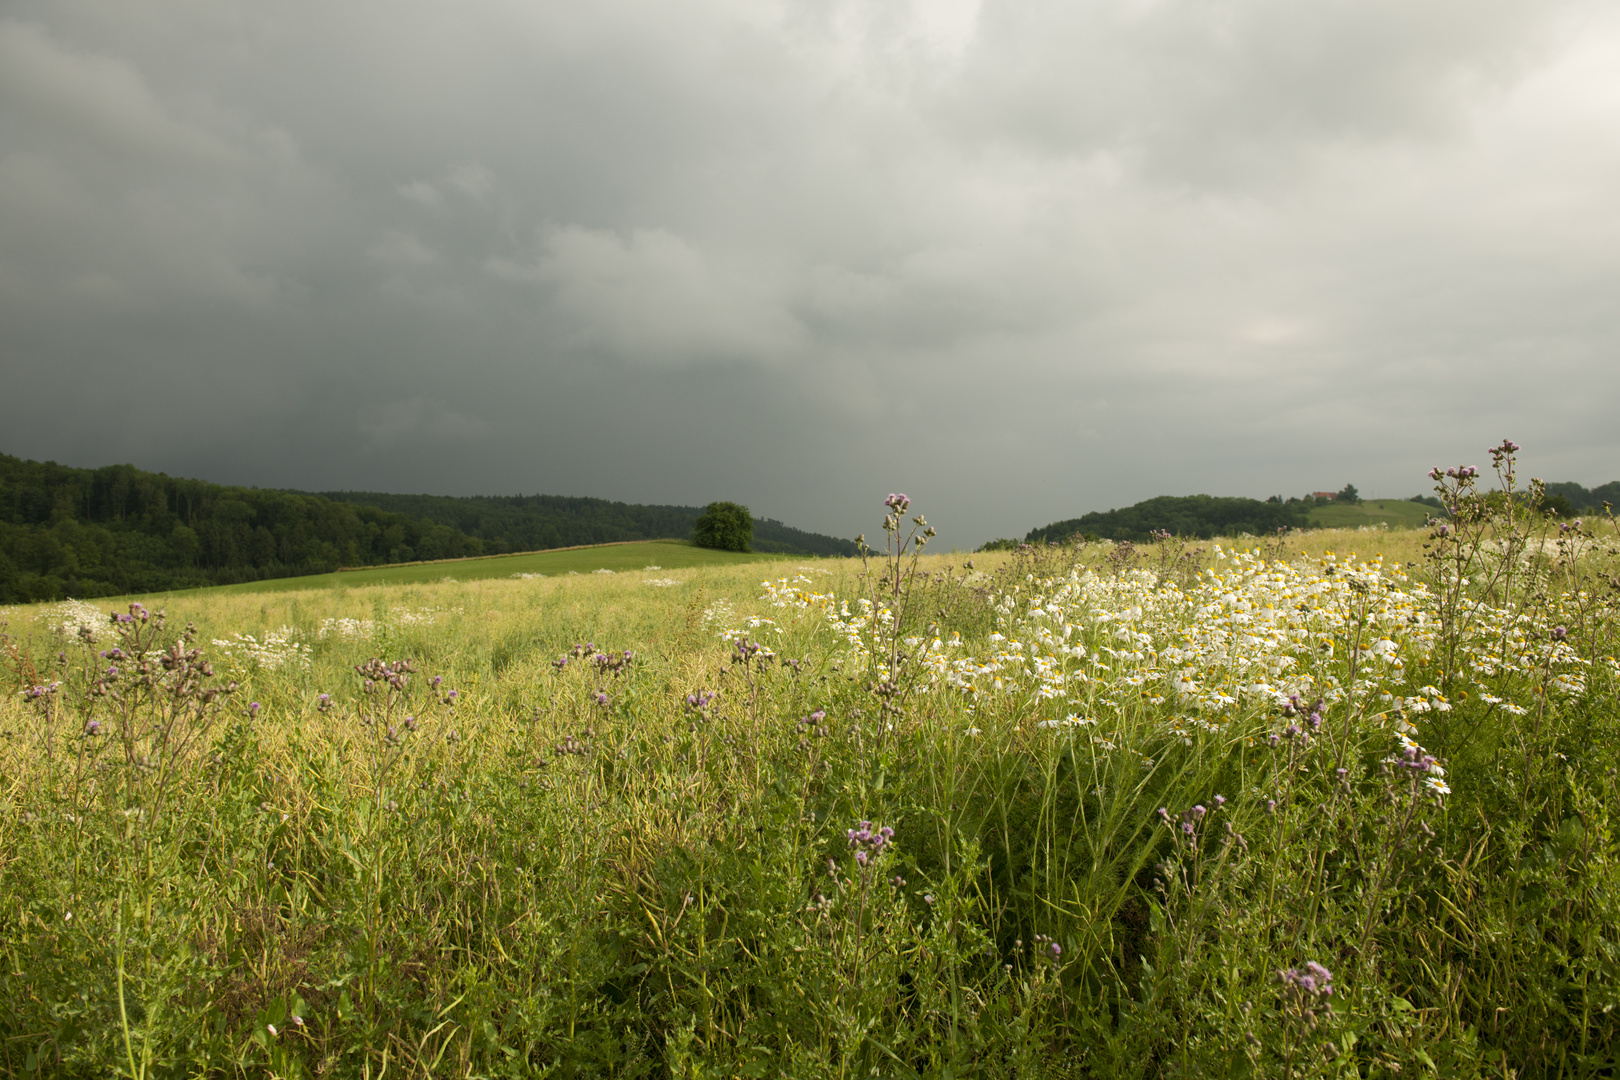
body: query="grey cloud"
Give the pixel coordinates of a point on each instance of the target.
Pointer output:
(100, 98)
(401, 249)
(1223, 93)
(1063, 256)
(652, 297)
(420, 191)
(386, 424)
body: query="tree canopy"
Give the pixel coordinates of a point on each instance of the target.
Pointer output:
(727, 526)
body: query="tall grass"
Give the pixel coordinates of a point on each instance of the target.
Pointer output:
(1055, 814)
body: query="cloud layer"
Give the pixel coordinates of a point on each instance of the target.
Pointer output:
(1022, 259)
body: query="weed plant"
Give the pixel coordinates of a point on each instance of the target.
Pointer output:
(1252, 809)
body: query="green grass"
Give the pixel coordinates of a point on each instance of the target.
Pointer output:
(1396, 513)
(620, 558)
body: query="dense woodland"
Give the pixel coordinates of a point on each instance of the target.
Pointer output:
(506, 523)
(118, 529)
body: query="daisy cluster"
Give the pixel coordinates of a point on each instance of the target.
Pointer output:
(279, 648)
(1247, 636)
(72, 617)
(427, 616)
(719, 614)
(349, 628)
(399, 616)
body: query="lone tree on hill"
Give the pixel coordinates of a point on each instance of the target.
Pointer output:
(1349, 495)
(725, 526)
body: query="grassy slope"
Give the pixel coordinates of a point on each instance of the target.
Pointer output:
(620, 558)
(1396, 513)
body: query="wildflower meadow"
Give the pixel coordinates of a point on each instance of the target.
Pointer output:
(1329, 804)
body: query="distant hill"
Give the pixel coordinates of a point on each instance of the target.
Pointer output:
(118, 529)
(1199, 516)
(1205, 516)
(508, 523)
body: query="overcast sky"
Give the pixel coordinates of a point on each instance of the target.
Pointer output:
(1018, 259)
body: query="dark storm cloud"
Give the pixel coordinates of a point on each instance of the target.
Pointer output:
(1019, 259)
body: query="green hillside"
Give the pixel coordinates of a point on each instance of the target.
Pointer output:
(1396, 513)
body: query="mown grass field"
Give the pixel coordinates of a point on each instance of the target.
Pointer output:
(1102, 811)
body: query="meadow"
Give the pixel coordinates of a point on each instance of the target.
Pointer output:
(628, 556)
(1335, 804)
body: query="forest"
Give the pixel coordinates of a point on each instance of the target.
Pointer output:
(71, 532)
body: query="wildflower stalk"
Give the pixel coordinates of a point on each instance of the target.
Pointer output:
(892, 595)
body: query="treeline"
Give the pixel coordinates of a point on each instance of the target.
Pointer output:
(1577, 499)
(508, 523)
(103, 532)
(1198, 516)
(114, 530)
